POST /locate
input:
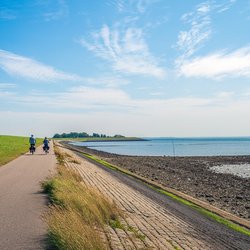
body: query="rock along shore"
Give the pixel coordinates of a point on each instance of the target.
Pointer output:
(192, 176)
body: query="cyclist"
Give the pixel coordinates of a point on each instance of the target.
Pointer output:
(45, 144)
(32, 141)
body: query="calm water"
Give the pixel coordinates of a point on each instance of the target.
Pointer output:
(175, 146)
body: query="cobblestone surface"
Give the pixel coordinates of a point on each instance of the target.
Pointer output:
(151, 225)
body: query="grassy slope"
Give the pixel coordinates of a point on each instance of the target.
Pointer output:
(78, 213)
(13, 146)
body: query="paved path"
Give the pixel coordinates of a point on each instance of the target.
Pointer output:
(165, 223)
(22, 203)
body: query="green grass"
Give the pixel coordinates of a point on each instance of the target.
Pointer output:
(117, 224)
(13, 146)
(78, 212)
(205, 212)
(68, 231)
(136, 233)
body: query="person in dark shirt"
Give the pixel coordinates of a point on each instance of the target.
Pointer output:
(32, 142)
(45, 144)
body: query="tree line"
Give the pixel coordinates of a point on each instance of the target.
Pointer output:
(84, 135)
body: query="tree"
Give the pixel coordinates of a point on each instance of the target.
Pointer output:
(83, 134)
(64, 135)
(57, 136)
(119, 136)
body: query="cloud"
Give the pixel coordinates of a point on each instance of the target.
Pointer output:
(215, 65)
(119, 4)
(77, 98)
(132, 6)
(218, 65)
(14, 64)
(61, 12)
(108, 81)
(90, 99)
(142, 5)
(126, 50)
(6, 91)
(7, 94)
(4, 85)
(225, 6)
(97, 98)
(221, 115)
(191, 40)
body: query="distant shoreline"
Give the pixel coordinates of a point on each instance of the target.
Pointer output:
(118, 140)
(102, 139)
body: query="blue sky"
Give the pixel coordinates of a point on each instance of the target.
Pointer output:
(131, 67)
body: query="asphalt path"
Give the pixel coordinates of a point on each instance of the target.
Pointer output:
(22, 202)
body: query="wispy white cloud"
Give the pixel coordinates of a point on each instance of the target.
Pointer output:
(4, 85)
(172, 122)
(218, 65)
(126, 50)
(61, 12)
(191, 40)
(77, 98)
(14, 64)
(225, 94)
(119, 4)
(94, 97)
(187, 116)
(6, 91)
(222, 7)
(142, 5)
(108, 81)
(7, 94)
(108, 98)
(132, 6)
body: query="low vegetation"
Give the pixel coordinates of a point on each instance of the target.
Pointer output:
(78, 213)
(101, 139)
(112, 139)
(13, 146)
(207, 213)
(84, 135)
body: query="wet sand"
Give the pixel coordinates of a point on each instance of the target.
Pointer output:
(193, 176)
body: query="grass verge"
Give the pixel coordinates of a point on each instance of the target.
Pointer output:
(78, 213)
(13, 146)
(204, 211)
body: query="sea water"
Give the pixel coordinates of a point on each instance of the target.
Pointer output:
(175, 146)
